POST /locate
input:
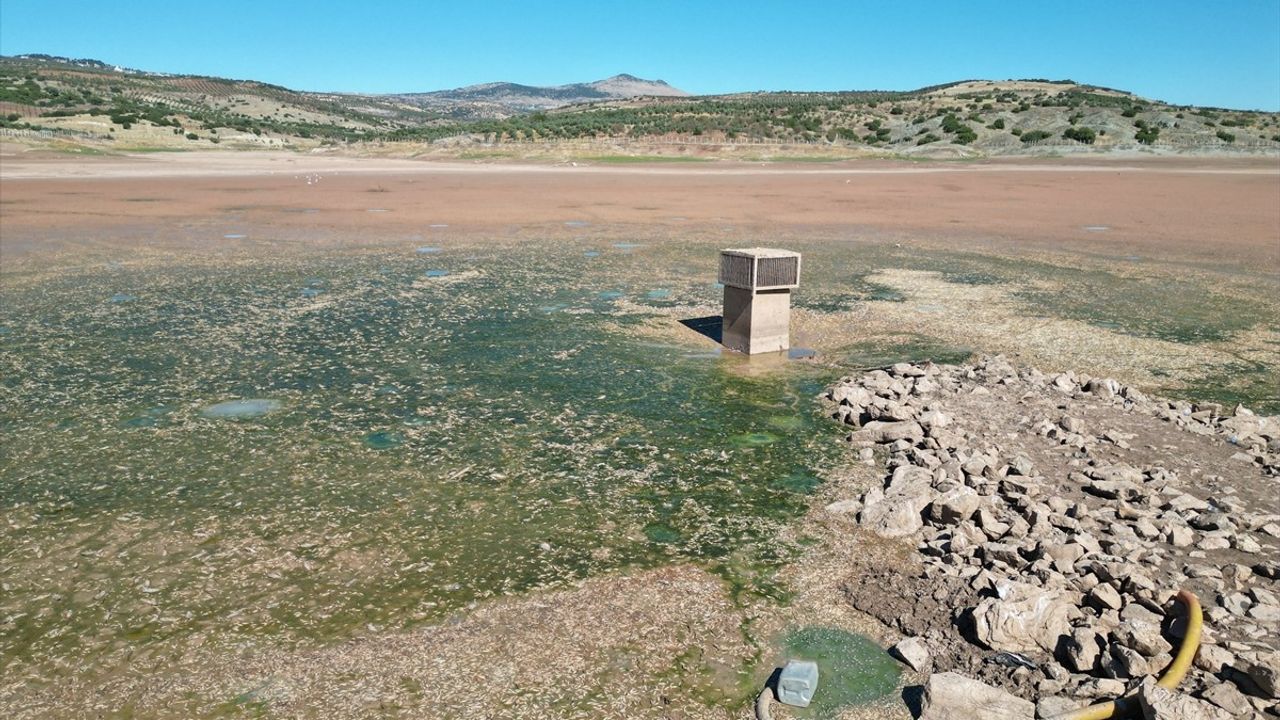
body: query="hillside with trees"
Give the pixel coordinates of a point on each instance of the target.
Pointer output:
(86, 101)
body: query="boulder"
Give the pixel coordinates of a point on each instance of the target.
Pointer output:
(954, 506)
(1082, 649)
(894, 516)
(1265, 674)
(1113, 489)
(949, 696)
(1226, 696)
(913, 653)
(1105, 597)
(1158, 703)
(1024, 618)
(1117, 473)
(887, 432)
(851, 395)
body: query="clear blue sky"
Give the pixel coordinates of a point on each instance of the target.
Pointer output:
(1223, 53)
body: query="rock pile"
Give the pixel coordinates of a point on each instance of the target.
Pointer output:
(1065, 512)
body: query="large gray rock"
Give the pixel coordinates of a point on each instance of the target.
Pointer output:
(1082, 650)
(1265, 674)
(1226, 696)
(948, 696)
(954, 506)
(913, 653)
(1160, 704)
(887, 432)
(1024, 618)
(897, 515)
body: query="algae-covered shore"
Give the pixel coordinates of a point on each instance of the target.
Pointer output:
(277, 455)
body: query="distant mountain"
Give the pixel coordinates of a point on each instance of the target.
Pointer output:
(504, 99)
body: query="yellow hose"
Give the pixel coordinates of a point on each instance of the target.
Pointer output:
(1190, 642)
(1177, 669)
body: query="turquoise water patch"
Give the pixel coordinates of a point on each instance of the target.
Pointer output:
(787, 423)
(611, 295)
(852, 669)
(755, 439)
(151, 417)
(234, 236)
(123, 298)
(435, 273)
(427, 250)
(661, 534)
(591, 253)
(384, 439)
(242, 409)
(627, 245)
(799, 482)
(658, 294)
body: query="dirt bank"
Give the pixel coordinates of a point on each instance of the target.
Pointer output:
(1221, 211)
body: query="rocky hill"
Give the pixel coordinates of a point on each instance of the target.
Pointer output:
(88, 101)
(504, 99)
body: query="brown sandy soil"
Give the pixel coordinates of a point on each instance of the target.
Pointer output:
(1222, 211)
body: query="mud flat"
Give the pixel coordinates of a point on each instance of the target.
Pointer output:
(292, 432)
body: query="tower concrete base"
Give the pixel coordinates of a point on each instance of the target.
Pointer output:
(756, 322)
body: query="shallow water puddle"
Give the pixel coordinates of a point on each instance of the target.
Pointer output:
(852, 669)
(239, 409)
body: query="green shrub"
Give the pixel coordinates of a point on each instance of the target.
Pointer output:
(1082, 134)
(1035, 136)
(1226, 137)
(1130, 111)
(1147, 135)
(1016, 132)
(997, 125)
(930, 138)
(192, 136)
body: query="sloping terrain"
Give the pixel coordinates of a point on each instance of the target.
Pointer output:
(967, 118)
(88, 101)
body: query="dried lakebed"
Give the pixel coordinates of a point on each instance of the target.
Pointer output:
(218, 472)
